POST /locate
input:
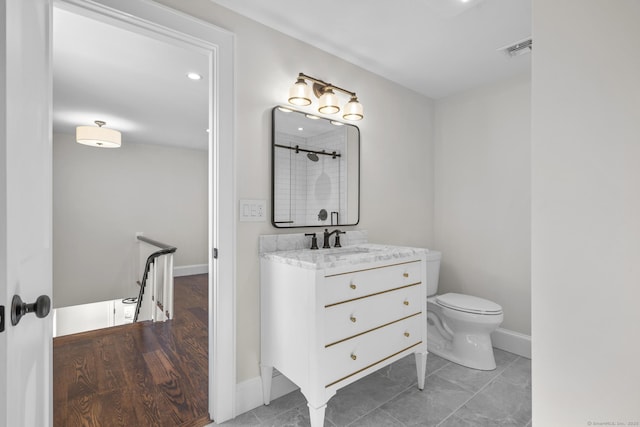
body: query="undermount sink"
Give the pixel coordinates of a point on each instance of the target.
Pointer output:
(346, 251)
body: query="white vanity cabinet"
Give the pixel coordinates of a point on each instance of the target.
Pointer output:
(328, 324)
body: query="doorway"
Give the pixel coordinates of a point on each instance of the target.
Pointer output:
(155, 184)
(176, 29)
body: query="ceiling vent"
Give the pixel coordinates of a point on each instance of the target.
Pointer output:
(520, 48)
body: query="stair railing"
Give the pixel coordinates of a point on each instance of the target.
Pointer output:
(161, 303)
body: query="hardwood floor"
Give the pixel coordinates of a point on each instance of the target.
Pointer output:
(143, 374)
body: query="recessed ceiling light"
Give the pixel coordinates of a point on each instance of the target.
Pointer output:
(336, 123)
(300, 129)
(312, 117)
(194, 76)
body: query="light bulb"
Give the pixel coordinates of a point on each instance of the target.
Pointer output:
(353, 110)
(300, 93)
(328, 102)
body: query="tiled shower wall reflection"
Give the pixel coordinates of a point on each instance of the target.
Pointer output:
(303, 187)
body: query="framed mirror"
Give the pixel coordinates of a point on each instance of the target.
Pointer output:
(315, 171)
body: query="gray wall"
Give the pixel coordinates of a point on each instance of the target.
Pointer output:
(483, 196)
(102, 197)
(397, 150)
(586, 212)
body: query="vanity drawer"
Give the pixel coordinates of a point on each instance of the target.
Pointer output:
(357, 284)
(352, 356)
(345, 320)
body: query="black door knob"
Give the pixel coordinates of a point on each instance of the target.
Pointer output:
(41, 308)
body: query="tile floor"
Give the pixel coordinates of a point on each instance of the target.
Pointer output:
(454, 396)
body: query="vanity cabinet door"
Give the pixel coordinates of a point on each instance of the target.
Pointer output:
(352, 356)
(346, 320)
(357, 284)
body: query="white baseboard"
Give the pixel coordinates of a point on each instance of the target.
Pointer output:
(513, 342)
(249, 393)
(190, 270)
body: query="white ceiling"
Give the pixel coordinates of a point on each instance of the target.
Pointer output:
(138, 85)
(435, 47)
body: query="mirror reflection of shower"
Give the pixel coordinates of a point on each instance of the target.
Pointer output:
(315, 169)
(311, 154)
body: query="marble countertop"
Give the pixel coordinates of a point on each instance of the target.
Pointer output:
(339, 257)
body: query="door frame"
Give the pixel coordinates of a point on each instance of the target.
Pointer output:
(163, 23)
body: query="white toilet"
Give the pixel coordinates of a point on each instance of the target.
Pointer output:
(459, 326)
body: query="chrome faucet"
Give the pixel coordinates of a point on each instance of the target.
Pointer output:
(326, 238)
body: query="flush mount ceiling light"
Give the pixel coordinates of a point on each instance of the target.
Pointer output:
(328, 101)
(97, 136)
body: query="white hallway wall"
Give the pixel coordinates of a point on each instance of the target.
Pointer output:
(483, 196)
(102, 197)
(586, 212)
(396, 152)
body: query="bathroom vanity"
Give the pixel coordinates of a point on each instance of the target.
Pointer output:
(332, 316)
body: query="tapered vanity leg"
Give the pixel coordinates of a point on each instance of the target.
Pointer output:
(317, 415)
(421, 367)
(266, 372)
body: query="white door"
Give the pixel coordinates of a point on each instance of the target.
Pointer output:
(25, 209)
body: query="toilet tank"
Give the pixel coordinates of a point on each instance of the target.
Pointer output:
(433, 271)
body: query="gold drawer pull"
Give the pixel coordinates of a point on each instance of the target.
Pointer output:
(406, 302)
(353, 356)
(353, 319)
(352, 286)
(405, 274)
(407, 334)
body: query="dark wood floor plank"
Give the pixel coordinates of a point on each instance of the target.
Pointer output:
(145, 374)
(159, 366)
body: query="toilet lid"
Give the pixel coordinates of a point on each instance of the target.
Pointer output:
(468, 304)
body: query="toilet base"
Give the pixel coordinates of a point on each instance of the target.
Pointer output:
(473, 350)
(481, 359)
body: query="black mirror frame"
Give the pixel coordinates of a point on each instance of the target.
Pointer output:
(273, 173)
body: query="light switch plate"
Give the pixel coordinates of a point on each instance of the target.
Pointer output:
(253, 210)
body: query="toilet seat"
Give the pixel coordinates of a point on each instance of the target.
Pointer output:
(468, 304)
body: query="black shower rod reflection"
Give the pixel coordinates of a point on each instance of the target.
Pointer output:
(311, 154)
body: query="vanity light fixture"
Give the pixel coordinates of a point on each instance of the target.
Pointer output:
(353, 109)
(98, 136)
(300, 93)
(328, 101)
